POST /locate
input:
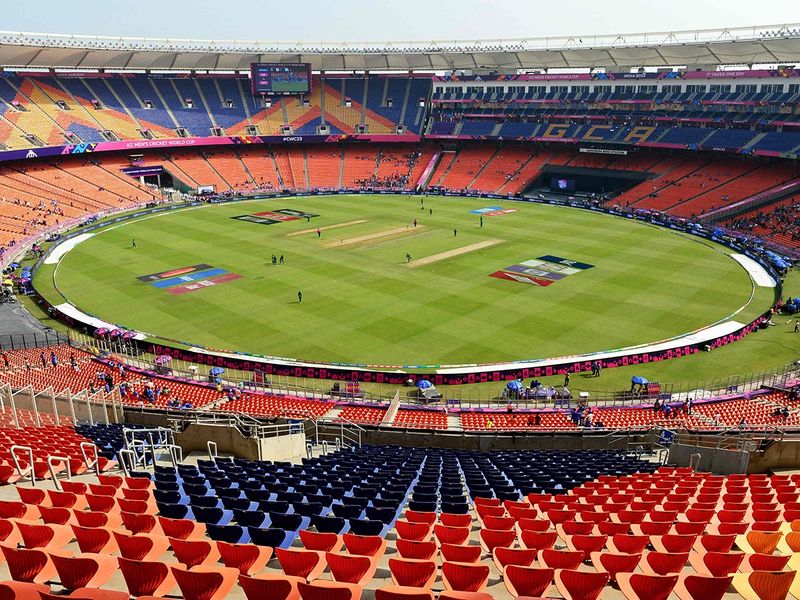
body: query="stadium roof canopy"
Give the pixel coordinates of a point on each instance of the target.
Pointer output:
(751, 45)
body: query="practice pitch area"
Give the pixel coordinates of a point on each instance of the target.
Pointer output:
(616, 283)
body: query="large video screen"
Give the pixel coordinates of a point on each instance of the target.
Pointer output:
(562, 184)
(278, 79)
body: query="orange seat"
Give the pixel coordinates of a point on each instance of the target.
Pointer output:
(636, 586)
(329, 590)
(761, 542)
(462, 577)
(22, 590)
(764, 585)
(527, 581)
(412, 573)
(322, 542)
(86, 570)
(205, 582)
(192, 553)
(146, 577)
(350, 569)
(417, 550)
(461, 553)
(270, 586)
(702, 587)
(613, 563)
(305, 564)
(580, 585)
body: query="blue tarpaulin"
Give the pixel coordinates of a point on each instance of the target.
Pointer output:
(424, 384)
(217, 371)
(515, 385)
(639, 380)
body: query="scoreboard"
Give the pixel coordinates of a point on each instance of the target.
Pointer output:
(275, 79)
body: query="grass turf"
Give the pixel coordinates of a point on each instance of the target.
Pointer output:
(363, 305)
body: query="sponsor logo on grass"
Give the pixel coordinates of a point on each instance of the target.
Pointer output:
(493, 211)
(189, 279)
(270, 217)
(541, 271)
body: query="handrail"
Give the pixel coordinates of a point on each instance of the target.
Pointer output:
(24, 472)
(91, 463)
(53, 460)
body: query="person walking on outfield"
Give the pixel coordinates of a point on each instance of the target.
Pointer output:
(455, 232)
(274, 260)
(319, 233)
(481, 221)
(566, 379)
(133, 243)
(796, 326)
(300, 296)
(430, 211)
(281, 261)
(408, 257)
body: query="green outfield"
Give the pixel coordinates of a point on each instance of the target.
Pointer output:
(364, 302)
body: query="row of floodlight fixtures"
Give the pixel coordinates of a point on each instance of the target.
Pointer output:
(179, 47)
(780, 33)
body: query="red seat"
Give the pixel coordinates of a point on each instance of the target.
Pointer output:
(764, 562)
(493, 538)
(527, 581)
(537, 525)
(580, 585)
(418, 532)
(397, 592)
(247, 558)
(613, 563)
(365, 545)
(497, 523)
(522, 557)
(305, 564)
(56, 515)
(192, 553)
(30, 565)
(88, 518)
(140, 523)
(270, 586)
(417, 550)
(701, 587)
(84, 570)
(141, 547)
(146, 578)
(463, 577)
(538, 541)
(415, 516)
(636, 586)
(461, 553)
(561, 559)
(714, 543)
(716, 564)
(205, 582)
(660, 563)
(329, 590)
(182, 529)
(322, 542)
(21, 590)
(628, 544)
(412, 573)
(49, 537)
(587, 543)
(673, 543)
(350, 569)
(452, 520)
(450, 535)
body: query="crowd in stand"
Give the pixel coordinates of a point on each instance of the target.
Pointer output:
(393, 181)
(784, 220)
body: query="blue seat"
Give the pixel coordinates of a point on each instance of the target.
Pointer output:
(347, 511)
(367, 527)
(212, 516)
(175, 511)
(249, 518)
(233, 534)
(288, 522)
(272, 537)
(330, 524)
